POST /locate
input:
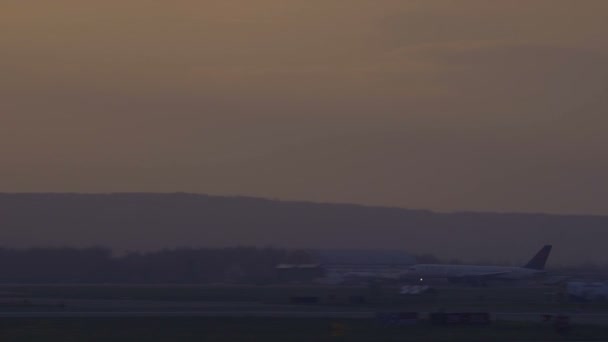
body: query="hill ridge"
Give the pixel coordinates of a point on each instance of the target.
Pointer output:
(140, 220)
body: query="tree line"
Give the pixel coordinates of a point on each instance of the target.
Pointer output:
(181, 265)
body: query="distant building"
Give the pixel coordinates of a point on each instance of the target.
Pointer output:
(362, 257)
(587, 291)
(336, 266)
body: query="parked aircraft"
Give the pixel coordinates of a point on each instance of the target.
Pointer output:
(477, 274)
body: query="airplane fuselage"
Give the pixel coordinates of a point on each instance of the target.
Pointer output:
(428, 271)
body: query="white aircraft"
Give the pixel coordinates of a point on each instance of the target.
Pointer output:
(476, 274)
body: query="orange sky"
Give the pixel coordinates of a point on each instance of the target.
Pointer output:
(446, 105)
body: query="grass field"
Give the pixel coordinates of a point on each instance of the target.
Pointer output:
(284, 329)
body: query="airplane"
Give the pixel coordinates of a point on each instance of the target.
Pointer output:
(476, 274)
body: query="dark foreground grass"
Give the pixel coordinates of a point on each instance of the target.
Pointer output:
(265, 329)
(447, 298)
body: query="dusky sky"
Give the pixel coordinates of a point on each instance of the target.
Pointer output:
(445, 105)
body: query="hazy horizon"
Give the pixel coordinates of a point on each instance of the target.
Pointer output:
(156, 221)
(304, 201)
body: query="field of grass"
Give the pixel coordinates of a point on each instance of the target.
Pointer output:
(267, 330)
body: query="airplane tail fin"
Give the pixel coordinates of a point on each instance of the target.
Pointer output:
(540, 259)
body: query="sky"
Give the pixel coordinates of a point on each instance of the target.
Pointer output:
(444, 105)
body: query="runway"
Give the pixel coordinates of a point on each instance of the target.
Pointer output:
(126, 308)
(577, 318)
(209, 314)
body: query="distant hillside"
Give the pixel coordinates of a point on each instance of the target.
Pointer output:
(153, 221)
